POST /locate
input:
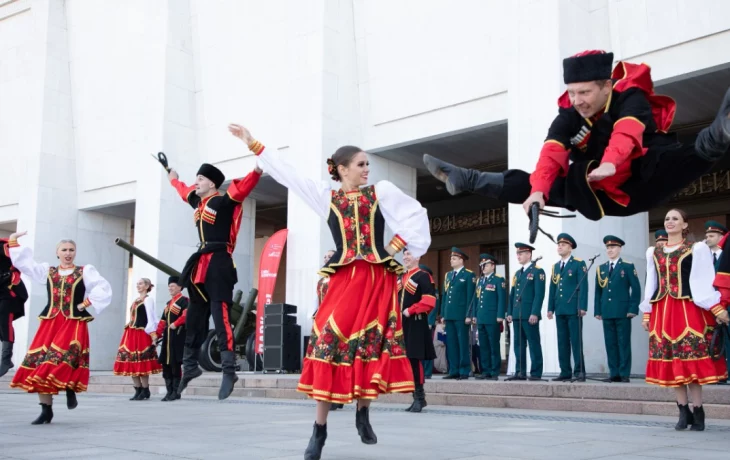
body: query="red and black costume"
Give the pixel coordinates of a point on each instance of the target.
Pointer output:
(680, 304)
(417, 297)
(210, 273)
(630, 132)
(137, 354)
(173, 342)
(13, 295)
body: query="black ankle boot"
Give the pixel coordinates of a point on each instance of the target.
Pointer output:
(420, 401)
(459, 180)
(316, 442)
(685, 417)
(6, 355)
(144, 394)
(137, 392)
(175, 385)
(698, 422)
(168, 386)
(71, 401)
(228, 363)
(191, 369)
(46, 415)
(413, 403)
(364, 429)
(713, 141)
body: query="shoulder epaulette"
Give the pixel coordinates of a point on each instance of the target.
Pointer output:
(577, 259)
(499, 276)
(537, 267)
(468, 270)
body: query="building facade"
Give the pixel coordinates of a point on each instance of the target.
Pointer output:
(89, 89)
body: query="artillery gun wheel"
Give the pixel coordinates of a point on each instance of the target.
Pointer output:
(210, 356)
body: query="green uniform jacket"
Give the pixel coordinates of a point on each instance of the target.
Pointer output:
(618, 295)
(562, 287)
(457, 294)
(490, 299)
(531, 285)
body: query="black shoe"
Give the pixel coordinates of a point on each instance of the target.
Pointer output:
(335, 406)
(46, 415)
(722, 382)
(713, 141)
(451, 377)
(515, 377)
(533, 378)
(459, 180)
(227, 385)
(616, 379)
(481, 376)
(175, 395)
(364, 429)
(463, 377)
(698, 416)
(316, 442)
(71, 401)
(144, 394)
(419, 399)
(168, 386)
(137, 393)
(413, 403)
(494, 377)
(6, 362)
(427, 377)
(187, 377)
(561, 378)
(625, 380)
(685, 417)
(580, 377)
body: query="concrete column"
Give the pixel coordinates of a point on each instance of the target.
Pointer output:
(548, 31)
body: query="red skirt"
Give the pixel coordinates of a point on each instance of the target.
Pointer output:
(58, 358)
(356, 349)
(137, 355)
(679, 345)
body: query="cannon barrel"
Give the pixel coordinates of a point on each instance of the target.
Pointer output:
(238, 331)
(164, 268)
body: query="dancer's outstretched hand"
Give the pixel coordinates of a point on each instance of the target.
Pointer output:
(241, 132)
(17, 235)
(603, 171)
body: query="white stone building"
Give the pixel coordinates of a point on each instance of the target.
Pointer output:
(90, 88)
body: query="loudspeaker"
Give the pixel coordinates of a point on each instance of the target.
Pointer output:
(282, 347)
(280, 309)
(278, 320)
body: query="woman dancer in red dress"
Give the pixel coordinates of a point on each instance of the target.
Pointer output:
(137, 355)
(58, 357)
(681, 309)
(356, 349)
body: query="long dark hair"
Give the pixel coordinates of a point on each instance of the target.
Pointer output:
(342, 157)
(683, 215)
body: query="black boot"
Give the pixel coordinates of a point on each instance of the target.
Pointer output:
(335, 406)
(46, 415)
(413, 403)
(228, 362)
(71, 401)
(713, 141)
(5, 358)
(316, 442)
(420, 401)
(459, 180)
(144, 394)
(168, 385)
(685, 417)
(175, 395)
(190, 368)
(364, 429)
(137, 392)
(698, 416)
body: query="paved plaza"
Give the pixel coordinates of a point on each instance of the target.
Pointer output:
(111, 427)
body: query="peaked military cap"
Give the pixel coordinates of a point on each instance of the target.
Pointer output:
(522, 247)
(661, 235)
(610, 240)
(458, 252)
(484, 258)
(565, 238)
(714, 226)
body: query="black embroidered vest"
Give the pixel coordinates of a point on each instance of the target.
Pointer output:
(673, 271)
(65, 293)
(137, 315)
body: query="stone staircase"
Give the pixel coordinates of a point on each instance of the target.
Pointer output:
(621, 398)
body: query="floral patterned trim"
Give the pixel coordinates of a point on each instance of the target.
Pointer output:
(681, 380)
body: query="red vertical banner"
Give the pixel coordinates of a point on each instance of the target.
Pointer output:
(268, 269)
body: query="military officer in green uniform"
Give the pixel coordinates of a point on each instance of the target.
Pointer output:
(457, 294)
(488, 311)
(616, 302)
(714, 231)
(661, 237)
(568, 303)
(525, 307)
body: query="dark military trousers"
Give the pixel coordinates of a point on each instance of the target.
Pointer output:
(489, 349)
(617, 335)
(457, 348)
(527, 335)
(569, 339)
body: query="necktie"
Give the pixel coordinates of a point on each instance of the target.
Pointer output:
(610, 270)
(714, 256)
(562, 266)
